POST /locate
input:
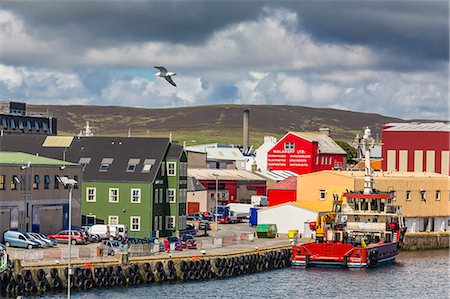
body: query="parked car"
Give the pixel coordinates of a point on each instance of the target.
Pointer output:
(102, 230)
(45, 237)
(173, 240)
(42, 243)
(118, 231)
(190, 230)
(111, 247)
(19, 239)
(63, 237)
(188, 241)
(193, 217)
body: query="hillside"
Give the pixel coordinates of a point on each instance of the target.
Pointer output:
(221, 123)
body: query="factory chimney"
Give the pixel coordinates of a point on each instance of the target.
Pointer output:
(245, 130)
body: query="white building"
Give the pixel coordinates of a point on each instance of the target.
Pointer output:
(293, 216)
(261, 153)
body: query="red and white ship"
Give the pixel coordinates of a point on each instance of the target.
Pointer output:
(363, 229)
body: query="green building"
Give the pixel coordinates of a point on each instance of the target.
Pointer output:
(138, 182)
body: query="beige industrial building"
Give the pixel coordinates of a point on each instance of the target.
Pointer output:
(424, 197)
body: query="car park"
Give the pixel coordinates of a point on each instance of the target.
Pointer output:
(19, 239)
(63, 237)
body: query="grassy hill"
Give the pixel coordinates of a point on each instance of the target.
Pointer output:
(218, 123)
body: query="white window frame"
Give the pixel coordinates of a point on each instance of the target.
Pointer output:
(289, 146)
(110, 197)
(138, 229)
(322, 194)
(160, 221)
(408, 195)
(132, 197)
(171, 172)
(173, 221)
(110, 217)
(174, 191)
(94, 195)
(438, 195)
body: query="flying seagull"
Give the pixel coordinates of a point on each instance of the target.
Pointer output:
(163, 73)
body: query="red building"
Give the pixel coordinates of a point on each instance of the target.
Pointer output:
(306, 152)
(283, 191)
(418, 147)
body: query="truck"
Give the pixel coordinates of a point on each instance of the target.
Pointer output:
(226, 215)
(240, 208)
(259, 201)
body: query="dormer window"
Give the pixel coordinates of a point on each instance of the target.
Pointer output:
(84, 162)
(148, 163)
(132, 163)
(106, 162)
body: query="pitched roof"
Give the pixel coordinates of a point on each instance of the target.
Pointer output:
(287, 184)
(194, 185)
(223, 174)
(276, 175)
(116, 151)
(432, 127)
(315, 206)
(231, 153)
(18, 158)
(326, 144)
(175, 151)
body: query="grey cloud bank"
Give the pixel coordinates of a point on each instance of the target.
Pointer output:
(388, 57)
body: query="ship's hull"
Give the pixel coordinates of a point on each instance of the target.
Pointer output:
(343, 255)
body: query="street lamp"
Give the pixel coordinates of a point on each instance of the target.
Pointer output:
(217, 196)
(69, 183)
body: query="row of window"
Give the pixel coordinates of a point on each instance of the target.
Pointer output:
(135, 195)
(14, 182)
(113, 195)
(24, 125)
(408, 195)
(147, 166)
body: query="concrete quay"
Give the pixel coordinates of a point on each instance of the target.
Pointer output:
(45, 276)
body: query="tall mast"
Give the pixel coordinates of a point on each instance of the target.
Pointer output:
(368, 175)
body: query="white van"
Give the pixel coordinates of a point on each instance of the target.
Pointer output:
(102, 230)
(118, 231)
(259, 201)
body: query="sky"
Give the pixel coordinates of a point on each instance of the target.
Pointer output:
(386, 57)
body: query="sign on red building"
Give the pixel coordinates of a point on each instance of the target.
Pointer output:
(305, 153)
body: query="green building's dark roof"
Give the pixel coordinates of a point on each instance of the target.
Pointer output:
(118, 152)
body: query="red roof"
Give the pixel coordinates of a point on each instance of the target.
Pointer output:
(287, 184)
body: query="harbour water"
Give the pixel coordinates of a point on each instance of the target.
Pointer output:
(417, 274)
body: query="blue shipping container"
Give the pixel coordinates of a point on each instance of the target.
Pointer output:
(253, 221)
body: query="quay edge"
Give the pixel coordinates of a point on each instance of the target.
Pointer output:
(42, 279)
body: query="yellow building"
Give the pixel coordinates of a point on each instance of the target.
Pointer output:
(424, 197)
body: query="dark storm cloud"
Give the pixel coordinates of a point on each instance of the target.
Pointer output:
(416, 31)
(415, 28)
(110, 22)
